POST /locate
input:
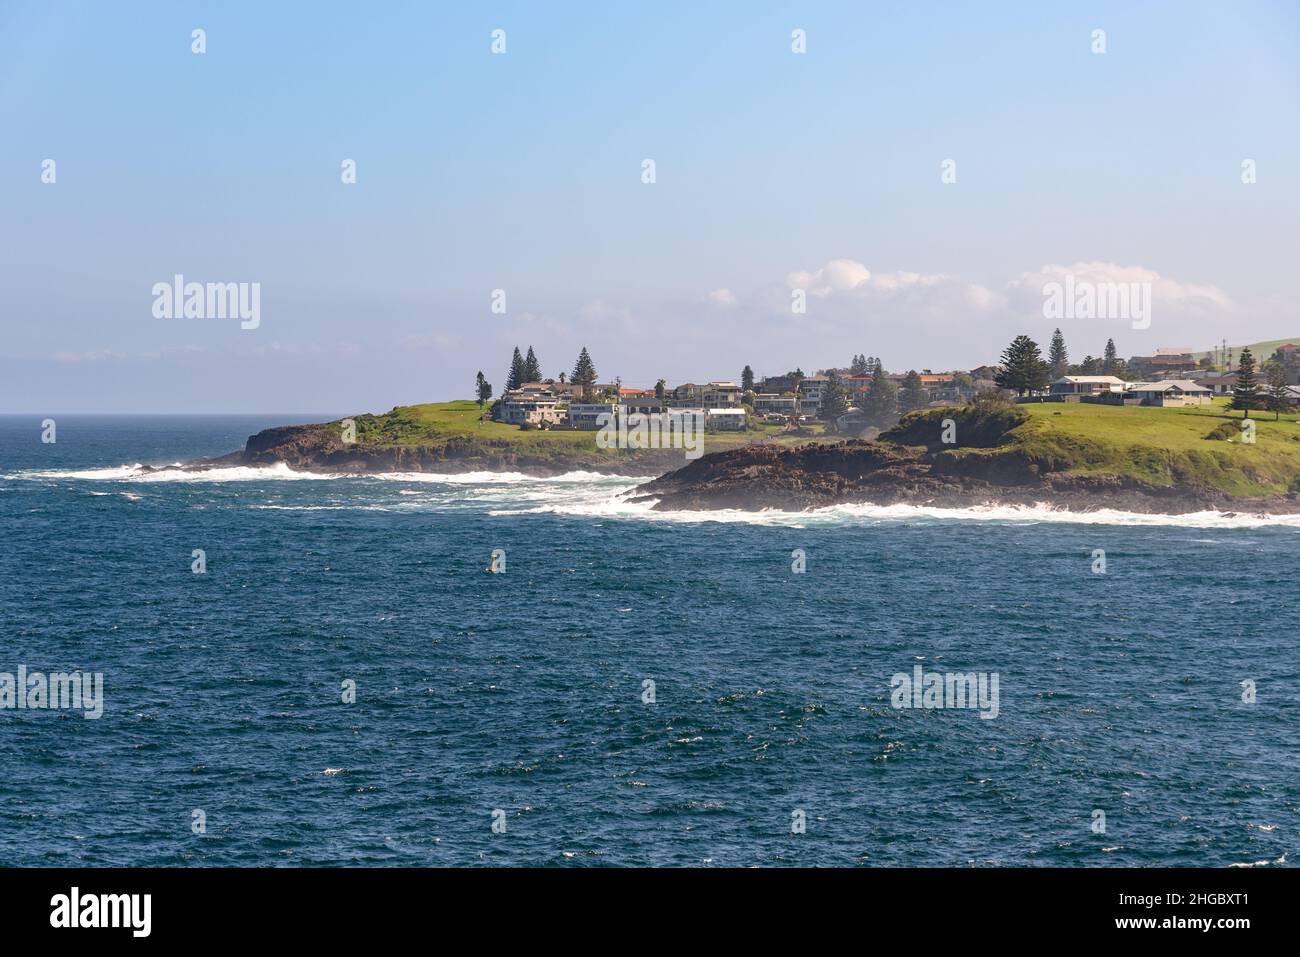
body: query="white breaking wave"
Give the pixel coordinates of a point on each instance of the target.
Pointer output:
(175, 473)
(280, 471)
(596, 495)
(504, 478)
(862, 514)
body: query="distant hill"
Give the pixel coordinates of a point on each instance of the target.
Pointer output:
(1261, 350)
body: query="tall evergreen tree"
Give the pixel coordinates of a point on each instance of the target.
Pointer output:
(881, 403)
(747, 379)
(913, 395)
(835, 398)
(482, 389)
(1246, 395)
(516, 377)
(532, 368)
(1109, 358)
(1279, 395)
(1057, 357)
(859, 365)
(1090, 366)
(584, 373)
(1023, 369)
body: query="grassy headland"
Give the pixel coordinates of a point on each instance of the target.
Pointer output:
(1076, 456)
(1160, 447)
(453, 436)
(1057, 450)
(461, 421)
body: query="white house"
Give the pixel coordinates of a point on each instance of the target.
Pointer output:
(1175, 392)
(725, 420)
(530, 408)
(1076, 385)
(771, 403)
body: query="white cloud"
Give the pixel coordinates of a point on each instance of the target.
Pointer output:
(1163, 288)
(722, 297)
(837, 275)
(1177, 312)
(848, 278)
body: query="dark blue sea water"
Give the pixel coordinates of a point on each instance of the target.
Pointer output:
(522, 691)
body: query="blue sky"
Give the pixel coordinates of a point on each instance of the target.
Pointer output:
(522, 172)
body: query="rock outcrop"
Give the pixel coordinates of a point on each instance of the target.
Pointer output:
(320, 448)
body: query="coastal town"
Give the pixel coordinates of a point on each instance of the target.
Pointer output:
(864, 396)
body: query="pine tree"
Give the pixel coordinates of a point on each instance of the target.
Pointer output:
(881, 403)
(1246, 395)
(532, 368)
(835, 398)
(1057, 357)
(482, 389)
(859, 365)
(1279, 395)
(1090, 366)
(1023, 369)
(913, 395)
(747, 379)
(516, 377)
(1108, 358)
(584, 373)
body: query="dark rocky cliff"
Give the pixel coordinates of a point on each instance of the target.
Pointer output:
(319, 448)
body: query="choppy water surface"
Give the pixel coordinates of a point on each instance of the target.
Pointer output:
(524, 691)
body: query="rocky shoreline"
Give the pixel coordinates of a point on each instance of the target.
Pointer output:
(319, 448)
(766, 475)
(883, 473)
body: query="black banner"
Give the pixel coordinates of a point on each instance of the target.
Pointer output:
(336, 905)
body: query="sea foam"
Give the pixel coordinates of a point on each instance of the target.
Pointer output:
(596, 495)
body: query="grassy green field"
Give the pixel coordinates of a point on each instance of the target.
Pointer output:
(1162, 447)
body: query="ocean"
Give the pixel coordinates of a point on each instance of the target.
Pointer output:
(634, 688)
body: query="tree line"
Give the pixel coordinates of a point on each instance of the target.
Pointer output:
(527, 368)
(1025, 371)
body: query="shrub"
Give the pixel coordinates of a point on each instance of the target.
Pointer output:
(1224, 431)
